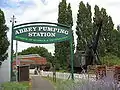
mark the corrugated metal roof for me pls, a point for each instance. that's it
(28, 56)
(27, 60)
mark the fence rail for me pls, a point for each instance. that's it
(61, 75)
(68, 75)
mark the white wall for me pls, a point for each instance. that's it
(5, 69)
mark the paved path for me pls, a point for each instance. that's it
(38, 83)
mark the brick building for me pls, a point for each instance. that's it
(32, 59)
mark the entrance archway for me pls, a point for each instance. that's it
(42, 33)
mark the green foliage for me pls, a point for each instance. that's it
(4, 43)
(15, 86)
(62, 49)
(115, 40)
(62, 13)
(57, 66)
(106, 41)
(86, 30)
(38, 50)
(69, 16)
(110, 60)
(118, 27)
(84, 26)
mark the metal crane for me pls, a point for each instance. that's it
(90, 55)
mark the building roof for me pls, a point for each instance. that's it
(27, 61)
(28, 56)
(31, 58)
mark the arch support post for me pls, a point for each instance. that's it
(71, 57)
(11, 55)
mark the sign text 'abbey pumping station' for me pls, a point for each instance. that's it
(42, 33)
(37, 33)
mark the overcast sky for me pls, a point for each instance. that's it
(47, 11)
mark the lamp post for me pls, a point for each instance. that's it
(12, 21)
(16, 61)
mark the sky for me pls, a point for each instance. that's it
(47, 11)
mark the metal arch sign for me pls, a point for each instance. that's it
(41, 32)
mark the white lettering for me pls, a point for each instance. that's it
(34, 34)
(44, 28)
(37, 31)
(34, 28)
(41, 34)
(58, 30)
(16, 32)
(25, 29)
(49, 29)
(30, 34)
(55, 29)
(38, 34)
(52, 34)
(62, 31)
(66, 32)
(21, 30)
(30, 29)
(40, 28)
(48, 34)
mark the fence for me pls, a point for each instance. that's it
(68, 75)
(61, 75)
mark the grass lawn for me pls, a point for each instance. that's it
(16, 86)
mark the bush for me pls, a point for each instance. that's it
(110, 60)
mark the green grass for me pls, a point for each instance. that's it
(15, 86)
(62, 71)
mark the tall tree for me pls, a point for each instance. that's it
(62, 13)
(107, 28)
(69, 16)
(62, 18)
(109, 39)
(67, 43)
(115, 43)
(4, 43)
(62, 49)
(118, 27)
(96, 18)
(84, 26)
